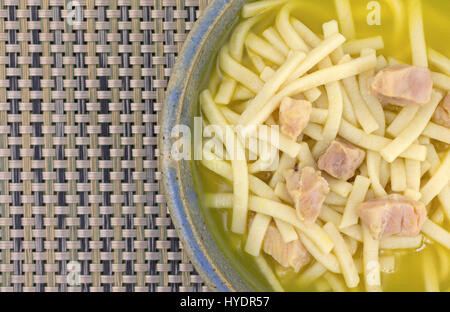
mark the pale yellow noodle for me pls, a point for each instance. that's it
(345, 16)
(439, 60)
(441, 81)
(272, 35)
(289, 215)
(398, 175)
(284, 26)
(356, 46)
(358, 194)
(256, 233)
(255, 8)
(226, 91)
(239, 34)
(264, 49)
(343, 255)
(438, 181)
(416, 33)
(239, 165)
(377, 143)
(313, 80)
(371, 264)
(239, 72)
(271, 87)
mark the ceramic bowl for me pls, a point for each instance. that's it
(179, 109)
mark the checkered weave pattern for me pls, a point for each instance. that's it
(81, 86)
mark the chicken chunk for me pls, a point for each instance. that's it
(442, 114)
(393, 214)
(341, 160)
(294, 116)
(308, 190)
(403, 85)
(292, 254)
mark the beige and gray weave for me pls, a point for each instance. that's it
(81, 86)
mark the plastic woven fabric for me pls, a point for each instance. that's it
(81, 86)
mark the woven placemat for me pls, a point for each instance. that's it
(81, 86)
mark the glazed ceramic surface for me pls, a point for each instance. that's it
(179, 109)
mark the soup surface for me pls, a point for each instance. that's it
(422, 266)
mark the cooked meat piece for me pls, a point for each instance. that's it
(308, 190)
(403, 85)
(341, 160)
(294, 116)
(442, 114)
(292, 254)
(393, 214)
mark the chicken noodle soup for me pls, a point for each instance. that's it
(351, 192)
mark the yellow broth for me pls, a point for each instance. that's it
(408, 275)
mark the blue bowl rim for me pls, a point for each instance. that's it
(172, 187)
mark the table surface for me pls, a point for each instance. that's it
(81, 85)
